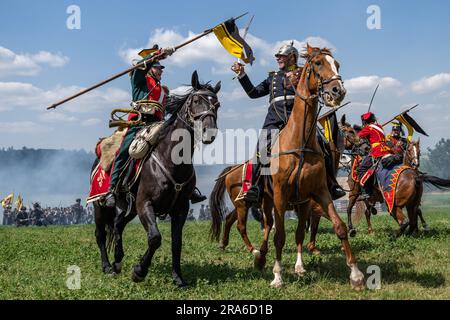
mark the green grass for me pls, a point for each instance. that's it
(34, 261)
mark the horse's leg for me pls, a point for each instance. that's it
(229, 221)
(303, 213)
(412, 215)
(260, 260)
(315, 212)
(177, 223)
(280, 236)
(351, 203)
(148, 219)
(398, 216)
(368, 213)
(119, 225)
(422, 220)
(242, 212)
(100, 236)
(356, 276)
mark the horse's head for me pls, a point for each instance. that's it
(200, 109)
(322, 75)
(350, 133)
(412, 154)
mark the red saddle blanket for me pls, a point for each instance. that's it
(247, 172)
(100, 180)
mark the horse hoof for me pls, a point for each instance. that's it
(117, 267)
(352, 233)
(260, 262)
(426, 228)
(370, 232)
(313, 249)
(135, 276)
(300, 271)
(357, 285)
(374, 211)
(276, 284)
(107, 269)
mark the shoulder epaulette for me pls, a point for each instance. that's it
(271, 73)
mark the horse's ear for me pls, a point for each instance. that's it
(217, 87)
(309, 49)
(343, 120)
(195, 83)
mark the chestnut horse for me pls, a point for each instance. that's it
(297, 171)
(409, 186)
(313, 221)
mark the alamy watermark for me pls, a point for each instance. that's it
(73, 281)
(374, 19)
(374, 280)
(73, 21)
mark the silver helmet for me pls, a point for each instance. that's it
(288, 49)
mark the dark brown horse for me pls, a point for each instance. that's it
(409, 186)
(298, 170)
(166, 182)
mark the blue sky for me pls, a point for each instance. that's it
(408, 56)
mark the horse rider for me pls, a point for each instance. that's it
(374, 133)
(22, 218)
(396, 140)
(280, 86)
(78, 211)
(150, 98)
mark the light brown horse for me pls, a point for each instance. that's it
(297, 171)
(409, 187)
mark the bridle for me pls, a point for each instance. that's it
(190, 118)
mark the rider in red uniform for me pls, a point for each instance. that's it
(374, 133)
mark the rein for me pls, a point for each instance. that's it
(189, 123)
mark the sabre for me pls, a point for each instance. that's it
(373, 96)
(244, 36)
(140, 65)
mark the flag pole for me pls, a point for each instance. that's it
(142, 64)
(400, 114)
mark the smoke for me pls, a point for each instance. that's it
(50, 177)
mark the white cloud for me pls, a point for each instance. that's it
(15, 95)
(13, 64)
(90, 122)
(369, 83)
(22, 127)
(209, 49)
(426, 85)
(56, 117)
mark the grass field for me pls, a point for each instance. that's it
(34, 261)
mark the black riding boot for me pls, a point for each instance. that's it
(197, 196)
(335, 189)
(253, 194)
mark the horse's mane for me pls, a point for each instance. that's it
(315, 51)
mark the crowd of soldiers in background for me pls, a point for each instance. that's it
(38, 216)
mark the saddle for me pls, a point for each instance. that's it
(107, 148)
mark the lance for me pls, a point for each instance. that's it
(139, 65)
(244, 36)
(400, 115)
(332, 111)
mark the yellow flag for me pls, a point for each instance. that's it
(228, 35)
(6, 201)
(19, 202)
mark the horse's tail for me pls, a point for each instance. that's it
(439, 183)
(217, 205)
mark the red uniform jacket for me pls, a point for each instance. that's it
(157, 93)
(375, 134)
